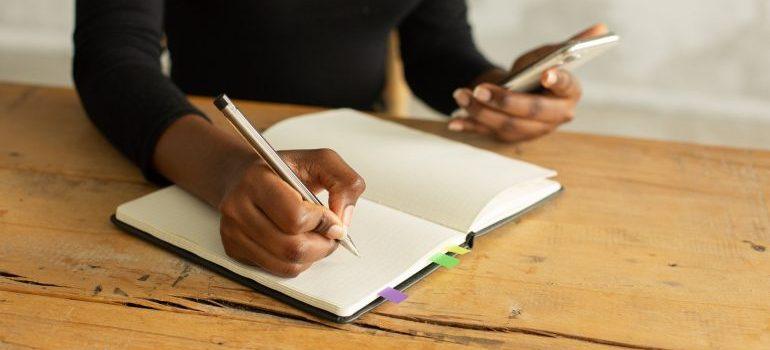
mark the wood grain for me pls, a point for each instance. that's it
(654, 245)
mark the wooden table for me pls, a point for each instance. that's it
(653, 245)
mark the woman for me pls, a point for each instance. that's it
(327, 53)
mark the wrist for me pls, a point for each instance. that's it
(201, 158)
(232, 162)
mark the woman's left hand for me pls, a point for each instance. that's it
(512, 116)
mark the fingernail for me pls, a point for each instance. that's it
(482, 94)
(550, 78)
(461, 98)
(455, 126)
(460, 113)
(336, 232)
(347, 215)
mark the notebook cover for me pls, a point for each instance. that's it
(189, 256)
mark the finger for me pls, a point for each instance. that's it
(469, 125)
(506, 127)
(462, 97)
(300, 248)
(458, 114)
(457, 124)
(561, 83)
(513, 104)
(247, 251)
(330, 225)
(495, 120)
(285, 207)
(303, 248)
(522, 130)
(597, 29)
(485, 115)
(326, 168)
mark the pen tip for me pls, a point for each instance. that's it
(347, 242)
(354, 250)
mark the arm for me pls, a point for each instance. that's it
(439, 53)
(264, 221)
(117, 73)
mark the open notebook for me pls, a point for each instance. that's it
(424, 194)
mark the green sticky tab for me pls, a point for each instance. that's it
(445, 260)
(458, 250)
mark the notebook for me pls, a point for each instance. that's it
(424, 195)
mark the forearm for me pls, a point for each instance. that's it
(199, 157)
(117, 73)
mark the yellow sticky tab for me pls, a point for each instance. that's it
(458, 250)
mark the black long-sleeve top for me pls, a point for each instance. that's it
(327, 53)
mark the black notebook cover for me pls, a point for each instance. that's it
(297, 303)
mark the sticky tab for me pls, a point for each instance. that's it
(392, 295)
(445, 260)
(458, 250)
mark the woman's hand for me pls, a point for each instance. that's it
(511, 116)
(265, 222)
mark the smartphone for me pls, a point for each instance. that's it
(571, 55)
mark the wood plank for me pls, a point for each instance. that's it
(653, 244)
(47, 131)
(78, 325)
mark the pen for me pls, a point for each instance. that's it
(268, 154)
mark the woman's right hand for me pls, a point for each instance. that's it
(265, 222)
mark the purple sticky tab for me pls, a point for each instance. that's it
(392, 295)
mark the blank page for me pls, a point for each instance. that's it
(393, 247)
(514, 200)
(425, 175)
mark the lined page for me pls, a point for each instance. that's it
(393, 246)
(428, 176)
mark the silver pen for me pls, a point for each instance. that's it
(268, 154)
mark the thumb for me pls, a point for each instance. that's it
(330, 225)
(343, 197)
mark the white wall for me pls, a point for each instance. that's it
(694, 55)
(35, 41)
